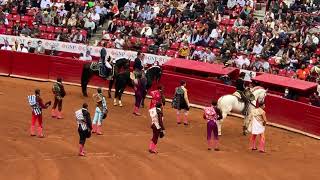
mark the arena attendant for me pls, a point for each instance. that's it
(59, 93)
(100, 111)
(156, 114)
(84, 126)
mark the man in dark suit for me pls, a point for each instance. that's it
(170, 12)
(138, 64)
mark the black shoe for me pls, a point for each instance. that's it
(178, 122)
(216, 149)
(186, 124)
(209, 149)
(254, 149)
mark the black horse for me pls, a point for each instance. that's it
(120, 77)
(153, 73)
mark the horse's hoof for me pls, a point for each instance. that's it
(120, 105)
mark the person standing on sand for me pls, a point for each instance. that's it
(157, 97)
(84, 126)
(212, 114)
(181, 102)
(157, 127)
(59, 93)
(138, 93)
(100, 113)
(257, 124)
(37, 105)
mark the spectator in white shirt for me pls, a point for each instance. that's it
(119, 42)
(241, 60)
(197, 54)
(62, 12)
(130, 5)
(22, 49)
(86, 57)
(315, 39)
(6, 46)
(214, 34)
(231, 4)
(209, 56)
(241, 3)
(44, 4)
(95, 17)
(151, 15)
(257, 48)
(146, 31)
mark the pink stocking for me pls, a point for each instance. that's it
(253, 141)
(262, 143)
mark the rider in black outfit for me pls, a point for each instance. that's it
(241, 88)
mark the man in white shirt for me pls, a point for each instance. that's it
(130, 5)
(231, 4)
(6, 47)
(214, 34)
(315, 39)
(119, 42)
(209, 56)
(146, 31)
(95, 17)
(257, 48)
(151, 15)
(197, 55)
(45, 3)
(86, 57)
(22, 49)
(241, 3)
(241, 60)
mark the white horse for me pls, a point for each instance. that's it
(230, 103)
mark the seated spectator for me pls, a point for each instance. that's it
(231, 4)
(76, 37)
(16, 28)
(242, 59)
(257, 48)
(26, 32)
(209, 56)
(6, 46)
(22, 48)
(184, 51)
(89, 25)
(146, 31)
(303, 72)
(171, 11)
(289, 94)
(194, 37)
(44, 4)
(72, 22)
(46, 19)
(314, 100)
(151, 15)
(119, 42)
(198, 55)
(39, 49)
(86, 57)
(167, 28)
(238, 22)
(29, 47)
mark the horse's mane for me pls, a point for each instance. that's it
(257, 88)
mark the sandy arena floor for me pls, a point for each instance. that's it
(121, 153)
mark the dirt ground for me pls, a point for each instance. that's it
(121, 153)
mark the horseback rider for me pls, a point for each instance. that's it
(105, 67)
(244, 92)
(138, 65)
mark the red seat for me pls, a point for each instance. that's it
(161, 52)
(171, 53)
(128, 23)
(73, 30)
(57, 29)
(2, 30)
(65, 30)
(42, 28)
(50, 37)
(9, 17)
(229, 29)
(150, 42)
(199, 48)
(83, 33)
(272, 61)
(133, 40)
(25, 19)
(159, 19)
(44, 35)
(110, 44)
(136, 25)
(290, 73)
(282, 72)
(30, 12)
(10, 24)
(224, 21)
(191, 46)
(175, 45)
(231, 22)
(16, 17)
(14, 10)
(50, 29)
(165, 20)
(144, 49)
(9, 31)
(143, 40)
(318, 51)
(119, 22)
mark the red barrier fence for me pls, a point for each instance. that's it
(281, 111)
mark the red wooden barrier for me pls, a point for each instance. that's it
(30, 65)
(282, 111)
(5, 62)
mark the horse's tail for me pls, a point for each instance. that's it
(85, 76)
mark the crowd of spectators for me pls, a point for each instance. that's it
(285, 41)
(63, 20)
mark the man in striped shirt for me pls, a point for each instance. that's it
(37, 105)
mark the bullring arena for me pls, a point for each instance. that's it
(121, 153)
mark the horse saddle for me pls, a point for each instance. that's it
(246, 96)
(103, 70)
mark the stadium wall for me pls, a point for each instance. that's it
(285, 113)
